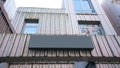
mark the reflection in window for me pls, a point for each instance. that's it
(90, 29)
(82, 6)
(31, 27)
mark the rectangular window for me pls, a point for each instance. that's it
(31, 26)
(83, 6)
(91, 28)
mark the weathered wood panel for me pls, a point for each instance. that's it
(98, 16)
(88, 17)
(57, 65)
(103, 18)
(42, 65)
(113, 14)
(66, 21)
(49, 23)
(16, 45)
(5, 24)
(40, 10)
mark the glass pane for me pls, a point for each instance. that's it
(77, 6)
(86, 6)
(30, 28)
(85, 31)
(83, 26)
(82, 6)
(89, 29)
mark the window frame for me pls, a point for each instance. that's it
(102, 32)
(30, 21)
(84, 11)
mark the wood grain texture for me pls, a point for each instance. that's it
(61, 21)
(17, 46)
(112, 11)
(57, 65)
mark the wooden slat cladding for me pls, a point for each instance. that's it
(16, 45)
(40, 10)
(4, 27)
(57, 65)
(88, 17)
(113, 13)
(103, 17)
(107, 65)
(99, 15)
(59, 21)
(49, 23)
(5, 24)
(41, 66)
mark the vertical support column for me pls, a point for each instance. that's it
(69, 8)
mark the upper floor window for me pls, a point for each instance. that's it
(91, 28)
(31, 26)
(83, 6)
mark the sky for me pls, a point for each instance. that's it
(39, 3)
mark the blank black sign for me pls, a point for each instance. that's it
(60, 41)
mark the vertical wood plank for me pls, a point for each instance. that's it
(96, 47)
(52, 24)
(25, 52)
(57, 25)
(14, 49)
(1, 39)
(9, 45)
(43, 24)
(102, 46)
(68, 25)
(115, 44)
(111, 46)
(21, 46)
(4, 44)
(47, 31)
(107, 46)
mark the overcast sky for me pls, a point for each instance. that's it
(39, 3)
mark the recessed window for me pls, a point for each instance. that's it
(83, 6)
(31, 26)
(91, 28)
(84, 65)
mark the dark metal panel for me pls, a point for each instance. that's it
(91, 65)
(60, 41)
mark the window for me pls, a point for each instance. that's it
(84, 65)
(31, 26)
(83, 6)
(90, 28)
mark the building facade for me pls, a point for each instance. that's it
(79, 35)
(5, 23)
(111, 9)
